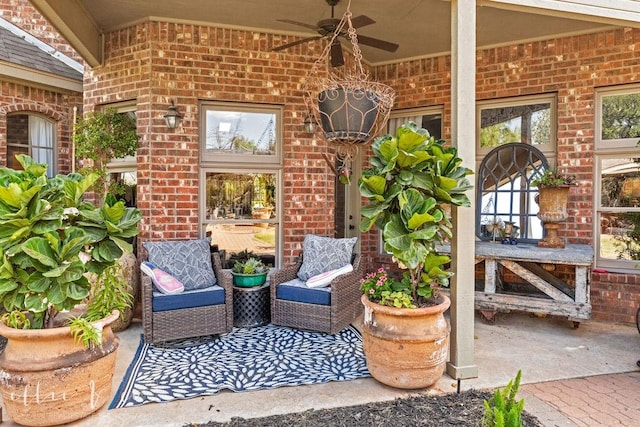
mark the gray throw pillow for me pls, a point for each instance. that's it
(321, 254)
(189, 261)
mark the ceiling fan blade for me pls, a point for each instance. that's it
(377, 43)
(295, 43)
(301, 24)
(361, 21)
(337, 59)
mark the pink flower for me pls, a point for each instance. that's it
(371, 291)
(381, 270)
(383, 278)
(361, 281)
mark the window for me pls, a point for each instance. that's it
(123, 177)
(617, 192)
(526, 128)
(530, 120)
(33, 135)
(240, 133)
(241, 175)
(429, 119)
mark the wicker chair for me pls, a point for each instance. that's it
(191, 321)
(345, 305)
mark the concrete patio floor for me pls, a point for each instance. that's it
(546, 349)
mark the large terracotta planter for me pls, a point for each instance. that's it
(406, 347)
(553, 209)
(47, 379)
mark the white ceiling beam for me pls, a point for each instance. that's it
(76, 25)
(611, 12)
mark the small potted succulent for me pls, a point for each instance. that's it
(249, 273)
(553, 195)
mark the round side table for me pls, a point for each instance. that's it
(251, 306)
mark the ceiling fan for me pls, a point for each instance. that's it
(327, 27)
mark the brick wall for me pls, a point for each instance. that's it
(572, 68)
(156, 62)
(22, 14)
(18, 98)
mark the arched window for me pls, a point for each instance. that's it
(504, 194)
(33, 135)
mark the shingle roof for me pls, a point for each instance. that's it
(16, 50)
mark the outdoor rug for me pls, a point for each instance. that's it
(259, 358)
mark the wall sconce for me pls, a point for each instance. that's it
(309, 124)
(172, 118)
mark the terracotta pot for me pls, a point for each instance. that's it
(406, 347)
(47, 379)
(553, 209)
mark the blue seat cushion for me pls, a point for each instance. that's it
(212, 295)
(297, 290)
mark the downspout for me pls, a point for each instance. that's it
(73, 134)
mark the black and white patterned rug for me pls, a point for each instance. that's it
(259, 358)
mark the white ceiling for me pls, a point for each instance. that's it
(420, 27)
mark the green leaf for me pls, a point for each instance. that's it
(39, 249)
(56, 272)
(373, 185)
(77, 291)
(55, 294)
(11, 195)
(7, 285)
(34, 302)
(388, 149)
(38, 283)
(366, 224)
(396, 235)
(113, 214)
(74, 273)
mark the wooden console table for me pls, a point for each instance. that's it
(555, 297)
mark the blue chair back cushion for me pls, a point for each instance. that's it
(296, 290)
(212, 295)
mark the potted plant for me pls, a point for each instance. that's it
(56, 368)
(411, 184)
(249, 273)
(553, 193)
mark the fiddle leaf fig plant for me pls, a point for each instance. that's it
(412, 179)
(50, 237)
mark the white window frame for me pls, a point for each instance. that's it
(239, 158)
(243, 164)
(609, 149)
(549, 150)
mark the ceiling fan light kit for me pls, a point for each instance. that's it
(348, 107)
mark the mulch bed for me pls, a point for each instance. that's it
(464, 409)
